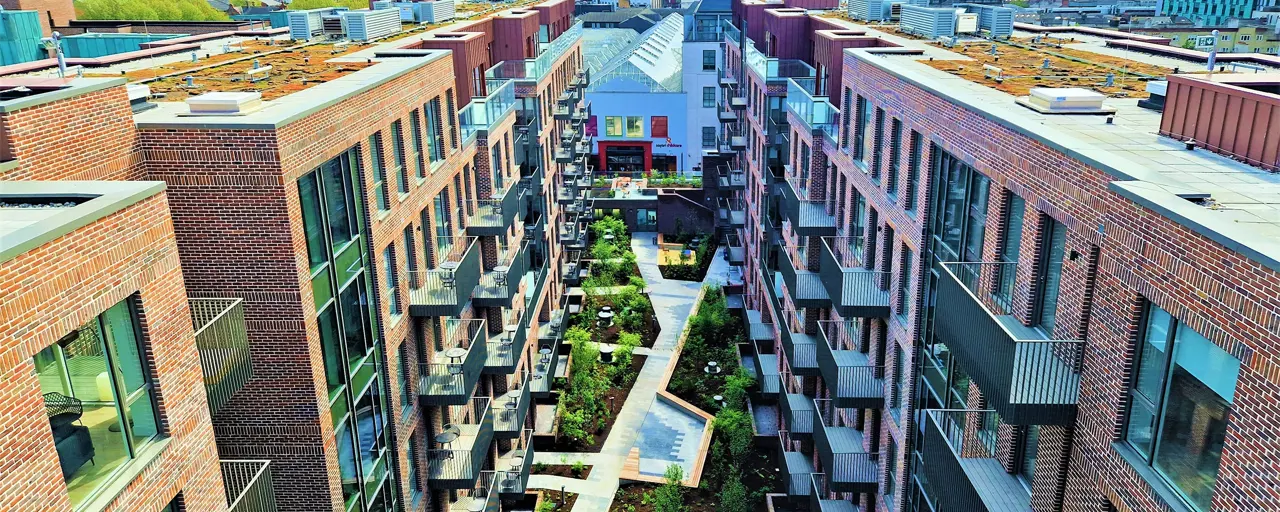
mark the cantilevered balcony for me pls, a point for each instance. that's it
(800, 347)
(575, 170)
(804, 286)
(767, 371)
(574, 269)
(463, 353)
(572, 190)
(580, 80)
(852, 378)
(534, 225)
(808, 217)
(821, 498)
(732, 212)
(727, 80)
(797, 412)
(445, 289)
(548, 356)
(483, 496)
(846, 460)
(582, 209)
(582, 148)
(854, 289)
(570, 136)
(505, 346)
(494, 216)
(796, 465)
(734, 252)
(1026, 376)
(563, 155)
(725, 115)
(573, 234)
(581, 114)
(813, 108)
(514, 465)
(499, 286)
(729, 178)
(456, 464)
(511, 410)
(958, 456)
(737, 102)
(247, 484)
(223, 347)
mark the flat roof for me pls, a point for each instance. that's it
(64, 207)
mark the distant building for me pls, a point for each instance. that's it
(60, 12)
(638, 19)
(1208, 12)
(1248, 38)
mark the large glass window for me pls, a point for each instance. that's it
(1179, 402)
(613, 126)
(708, 97)
(635, 126)
(1010, 246)
(379, 171)
(99, 398)
(877, 143)
(402, 377)
(708, 60)
(1030, 445)
(415, 486)
(415, 132)
(891, 472)
(397, 149)
(898, 399)
(389, 277)
(1051, 276)
(858, 227)
(960, 216)
(913, 172)
(444, 228)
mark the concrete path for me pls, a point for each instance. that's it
(672, 303)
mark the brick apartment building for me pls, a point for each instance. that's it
(382, 247)
(961, 304)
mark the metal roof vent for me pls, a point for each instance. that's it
(138, 96)
(1070, 100)
(224, 103)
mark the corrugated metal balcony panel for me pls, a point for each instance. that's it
(808, 217)
(737, 255)
(247, 484)
(1026, 377)
(727, 116)
(512, 409)
(796, 465)
(849, 466)
(821, 500)
(976, 481)
(223, 345)
(499, 286)
(505, 347)
(767, 373)
(738, 102)
(797, 411)
(855, 291)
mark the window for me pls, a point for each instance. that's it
(453, 115)
(379, 172)
(1050, 276)
(708, 136)
(435, 129)
(708, 97)
(905, 278)
(415, 486)
(444, 228)
(402, 377)
(876, 144)
(960, 216)
(708, 60)
(858, 227)
(1010, 246)
(898, 400)
(658, 127)
(458, 198)
(397, 148)
(100, 398)
(913, 172)
(415, 130)
(895, 153)
(389, 266)
(498, 170)
(891, 472)
(844, 134)
(635, 126)
(1180, 398)
(613, 126)
(1030, 445)
(860, 139)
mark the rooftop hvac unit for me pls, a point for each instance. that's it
(866, 10)
(304, 25)
(332, 26)
(368, 25)
(436, 12)
(992, 18)
(895, 11)
(966, 23)
(930, 22)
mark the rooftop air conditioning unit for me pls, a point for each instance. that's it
(366, 25)
(966, 23)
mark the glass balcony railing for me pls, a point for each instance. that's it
(731, 32)
(814, 109)
(248, 485)
(464, 352)
(537, 68)
(482, 114)
(223, 347)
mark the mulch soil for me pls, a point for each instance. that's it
(760, 474)
(615, 396)
(564, 470)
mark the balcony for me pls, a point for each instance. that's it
(498, 287)
(481, 497)
(247, 484)
(730, 179)
(570, 192)
(512, 409)
(959, 456)
(548, 358)
(456, 464)
(726, 114)
(849, 466)
(493, 217)
(451, 383)
(734, 252)
(446, 289)
(514, 466)
(577, 169)
(563, 155)
(583, 209)
(561, 112)
(223, 347)
(732, 212)
(573, 235)
(804, 286)
(851, 377)
(737, 102)
(582, 148)
(1025, 376)
(727, 80)
(483, 114)
(813, 109)
(796, 465)
(767, 371)
(534, 224)
(574, 269)
(531, 71)
(797, 412)
(801, 348)
(854, 289)
(808, 217)
(506, 346)
(820, 499)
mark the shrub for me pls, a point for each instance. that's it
(733, 495)
(670, 497)
(578, 468)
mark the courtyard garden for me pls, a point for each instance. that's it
(685, 256)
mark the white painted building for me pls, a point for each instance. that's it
(703, 58)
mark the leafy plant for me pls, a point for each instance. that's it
(577, 468)
(670, 497)
(547, 505)
(540, 467)
(733, 495)
(168, 10)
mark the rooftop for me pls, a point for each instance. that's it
(33, 213)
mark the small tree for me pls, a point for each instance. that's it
(670, 497)
(733, 495)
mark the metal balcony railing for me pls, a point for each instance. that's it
(506, 345)
(798, 345)
(805, 286)
(514, 465)
(822, 497)
(732, 212)
(445, 289)
(499, 286)
(854, 289)
(574, 269)
(1026, 376)
(493, 216)
(729, 178)
(481, 497)
(958, 455)
(797, 465)
(548, 357)
(809, 217)
(456, 464)
(512, 408)
(850, 467)
(853, 379)
(797, 412)
(726, 114)
(223, 345)
(735, 253)
(464, 350)
(248, 485)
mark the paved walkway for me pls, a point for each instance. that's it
(672, 304)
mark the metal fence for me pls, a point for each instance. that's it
(223, 346)
(248, 485)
